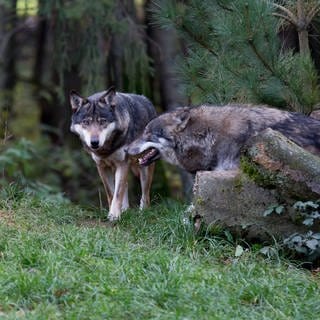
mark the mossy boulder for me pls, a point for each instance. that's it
(273, 161)
(256, 201)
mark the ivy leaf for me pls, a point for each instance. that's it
(315, 215)
(239, 251)
(228, 235)
(296, 239)
(299, 205)
(303, 250)
(311, 204)
(312, 244)
(316, 236)
(308, 222)
(279, 209)
(268, 211)
(266, 250)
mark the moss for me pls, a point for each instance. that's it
(238, 183)
(200, 201)
(255, 174)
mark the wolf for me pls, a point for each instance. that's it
(211, 137)
(107, 122)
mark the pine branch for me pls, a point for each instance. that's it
(313, 12)
(195, 39)
(258, 54)
(282, 17)
(290, 16)
(224, 7)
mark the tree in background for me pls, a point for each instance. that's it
(301, 15)
(246, 51)
(80, 45)
(90, 46)
(234, 52)
(7, 62)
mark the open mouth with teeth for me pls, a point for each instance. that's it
(148, 156)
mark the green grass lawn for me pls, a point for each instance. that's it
(60, 261)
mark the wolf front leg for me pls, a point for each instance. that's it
(120, 198)
(146, 176)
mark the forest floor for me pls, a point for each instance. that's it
(62, 261)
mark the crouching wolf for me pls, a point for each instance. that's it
(211, 137)
(107, 122)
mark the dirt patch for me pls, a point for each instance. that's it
(93, 223)
(6, 218)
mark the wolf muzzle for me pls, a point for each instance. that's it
(94, 143)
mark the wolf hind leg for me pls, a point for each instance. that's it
(146, 176)
(107, 176)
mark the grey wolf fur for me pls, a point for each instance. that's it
(107, 122)
(211, 137)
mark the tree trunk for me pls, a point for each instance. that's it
(302, 29)
(8, 22)
(55, 112)
(115, 63)
(164, 47)
(115, 57)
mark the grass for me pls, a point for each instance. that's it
(61, 261)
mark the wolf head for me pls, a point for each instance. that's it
(159, 139)
(93, 118)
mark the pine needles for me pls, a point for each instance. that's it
(234, 54)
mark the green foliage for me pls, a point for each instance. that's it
(46, 170)
(39, 167)
(82, 39)
(15, 160)
(308, 210)
(307, 244)
(59, 261)
(234, 54)
(278, 209)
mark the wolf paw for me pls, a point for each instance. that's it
(113, 217)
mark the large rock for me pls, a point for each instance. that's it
(230, 199)
(273, 161)
(274, 171)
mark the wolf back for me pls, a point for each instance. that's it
(211, 137)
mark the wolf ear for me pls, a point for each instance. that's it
(109, 96)
(182, 118)
(76, 101)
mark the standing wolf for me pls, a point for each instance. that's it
(211, 137)
(107, 122)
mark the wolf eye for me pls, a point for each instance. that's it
(102, 121)
(159, 133)
(85, 122)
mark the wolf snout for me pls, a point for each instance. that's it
(132, 151)
(94, 143)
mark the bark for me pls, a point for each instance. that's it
(115, 62)
(55, 112)
(8, 23)
(164, 47)
(40, 54)
(302, 26)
